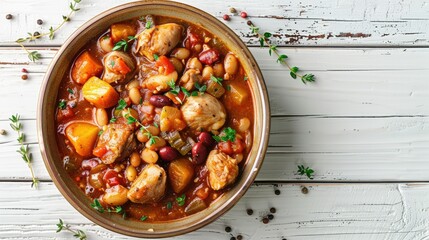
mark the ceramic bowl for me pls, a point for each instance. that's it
(47, 131)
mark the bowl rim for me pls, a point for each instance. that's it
(229, 203)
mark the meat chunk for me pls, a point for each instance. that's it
(223, 170)
(118, 67)
(203, 113)
(189, 78)
(149, 187)
(159, 40)
(119, 141)
(159, 83)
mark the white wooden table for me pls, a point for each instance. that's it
(363, 126)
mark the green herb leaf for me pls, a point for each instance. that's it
(228, 87)
(169, 205)
(62, 104)
(294, 69)
(181, 200)
(307, 78)
(97, 206)
(66, 19)
(121, 104)
(148, 24)
(186, 92)
(130, 38)
(245, 78)
(261, 42)
(73, 7)
(267, 34)
(156, 57)
(120, 45)
(305, 171)
(100, 132)
(281, 58)
(143, 218)
(34, 55)
(228, 134)
(51, 33)
(70, 91)
(112, 120)
(216, 80)
(293, 75)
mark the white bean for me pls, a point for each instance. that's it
(231, 64)
(101, 117)
(181, 53)
(135, 96)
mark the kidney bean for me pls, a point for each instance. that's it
(209, 56)
(160, 101)
(168, 153)
(207, 139)
(199, 153)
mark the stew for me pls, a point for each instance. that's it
(155, 119)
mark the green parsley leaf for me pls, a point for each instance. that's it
(181, 200)
(121, 104)
(228, 134)
(62, 104)
(118, 209)
(97, 206)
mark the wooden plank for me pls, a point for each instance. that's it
(350, 82)
(328, 211)
(305, 22)
(338, 149)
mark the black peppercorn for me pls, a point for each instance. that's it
(36, 34)
(39, 21)
(239, 237)
(9, 16)
(304, 190)
(270, 216)
(265, 220)
(249, 211)
(232, 10)
(249, 22)
(228, 229)
(232, 238)
(272, 210)
(277, 192)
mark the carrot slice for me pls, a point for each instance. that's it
(85, 66)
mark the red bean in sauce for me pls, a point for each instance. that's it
(199, 153)
(168, 153)
(160, 101)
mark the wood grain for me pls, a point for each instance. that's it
(328, 211)
(303, 23)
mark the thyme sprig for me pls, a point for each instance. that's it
(79, 234)
(281, 58)
(307, 171)
(123, 44)
(16, 125)
(35, 55)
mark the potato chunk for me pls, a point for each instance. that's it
(99, 93)
(180, 173)
(82, 135)
(84, 67)
(116, 195)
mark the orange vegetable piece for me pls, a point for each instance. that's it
(166, 64)
(119, 31)
(99, 93)
(85, 67)
(121, 67)
(82, 136)
(171, 119)
(180, 173)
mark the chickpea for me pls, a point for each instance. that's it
(106, 44)
(159, 143)
(177, 64)
(181, 53)
(218, 70)
(131, 173)
(198, 47)
(231, 64)
(194, 63)
(149, 156)
(207, 73)
(239, 157)
(135, 159)
(135, 96)
(153, 130)
(101, 117)
(142, 137)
